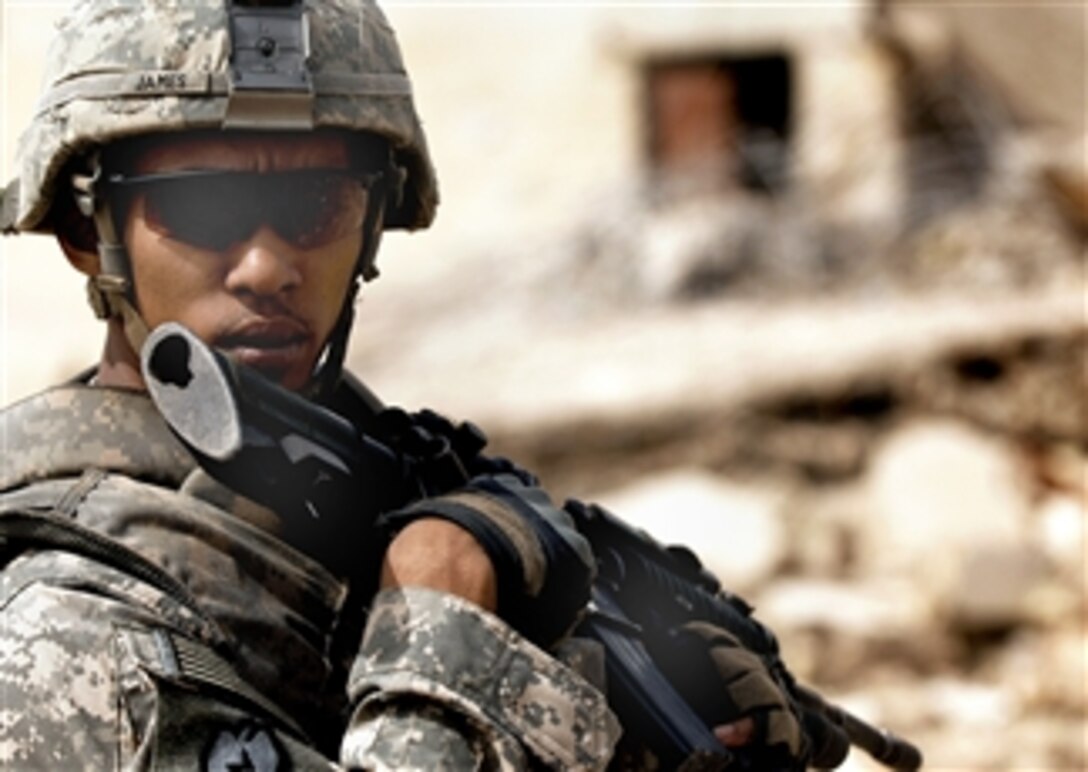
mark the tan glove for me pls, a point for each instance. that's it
(744, 688)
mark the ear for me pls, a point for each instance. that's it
(77, 236)
(84, 258)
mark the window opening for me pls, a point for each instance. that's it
(715, 123)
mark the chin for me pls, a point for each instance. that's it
(292, 381)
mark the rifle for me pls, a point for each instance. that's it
(330, 481)
(642, 592)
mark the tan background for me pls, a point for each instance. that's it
(926, 565)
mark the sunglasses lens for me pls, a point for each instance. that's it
(321, 210)
(308, 209)
(186, 211)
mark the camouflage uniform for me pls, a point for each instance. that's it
(142, 625)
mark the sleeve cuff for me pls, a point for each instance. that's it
(428, 648)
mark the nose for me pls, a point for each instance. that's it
(263, 266)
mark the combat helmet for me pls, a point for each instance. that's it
(129, 67)
(124, 68)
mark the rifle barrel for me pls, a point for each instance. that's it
(884, 746)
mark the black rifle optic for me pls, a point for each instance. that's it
(330, 481)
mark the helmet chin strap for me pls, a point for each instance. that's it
(110, 291)
(330, 367)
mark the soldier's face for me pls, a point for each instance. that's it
(255, 264)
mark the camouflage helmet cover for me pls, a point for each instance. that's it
(120, 68)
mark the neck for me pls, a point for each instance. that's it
(119, 366)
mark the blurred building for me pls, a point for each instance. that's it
(703, 144)
(1027, 60)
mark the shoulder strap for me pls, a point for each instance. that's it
(20, 529)
(63, 431)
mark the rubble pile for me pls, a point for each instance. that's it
(888, 458)
(940, 591)
(916, 539)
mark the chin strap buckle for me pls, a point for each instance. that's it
(108, 296)
(100, 290)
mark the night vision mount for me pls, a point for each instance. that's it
(270, 82)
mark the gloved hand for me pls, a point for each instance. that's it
(543, 566)
(743, 689)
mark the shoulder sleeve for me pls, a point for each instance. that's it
(90, 678)
(470, 692)
(58, 683)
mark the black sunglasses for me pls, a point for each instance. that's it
(215, 210)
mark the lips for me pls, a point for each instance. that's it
(273, 346)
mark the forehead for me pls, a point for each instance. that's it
(256, 151)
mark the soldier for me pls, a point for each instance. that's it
(231, 166)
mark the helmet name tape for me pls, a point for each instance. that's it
(152, 83)
(110, 85)
(167, 83)
(270, 84)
